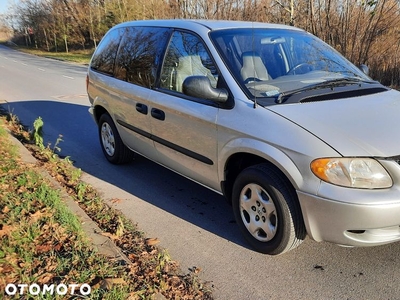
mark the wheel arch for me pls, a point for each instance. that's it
(99, 107)
(98, 111)
(238, 161)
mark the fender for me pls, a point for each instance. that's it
(263, 150)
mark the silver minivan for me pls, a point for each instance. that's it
(299, 140)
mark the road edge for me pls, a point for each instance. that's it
(104, 245)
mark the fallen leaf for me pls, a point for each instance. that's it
(6, 269)
(38, 215)
(6, 230)
(51, 265)
(133, 296)
(5, 210)
(59, 178)
(12, 259)
(57, 247)
(152, 241)
(166, 268)
(195, 270)
(21, 190)
(45, 278)
(108, 283)
(43, 248)
(110, 235)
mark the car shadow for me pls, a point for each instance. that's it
(141, 178)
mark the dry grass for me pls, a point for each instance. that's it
(41, 241)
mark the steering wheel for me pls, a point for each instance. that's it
(250, 79)
(293, 70)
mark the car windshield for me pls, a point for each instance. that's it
(268, 63)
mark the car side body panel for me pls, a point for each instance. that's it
(275, 139)
(132, 125)
(186, 140)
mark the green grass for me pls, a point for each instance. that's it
(42, 242)
(79, 56)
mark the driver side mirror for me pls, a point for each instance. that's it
(200, 87)
(364, 69)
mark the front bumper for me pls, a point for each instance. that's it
(359, 218)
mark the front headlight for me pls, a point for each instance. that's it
(364, 173)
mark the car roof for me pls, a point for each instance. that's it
(194, 24)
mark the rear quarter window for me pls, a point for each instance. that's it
(104, 57)
(140, 53)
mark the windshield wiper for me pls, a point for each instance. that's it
(325, 84)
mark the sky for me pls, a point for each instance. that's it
(4, 6)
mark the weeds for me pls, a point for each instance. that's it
(42, 242)
(37, 133)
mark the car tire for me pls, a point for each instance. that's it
(113, 148)
(267, 210)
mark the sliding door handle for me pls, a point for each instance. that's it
(141, 108)
(158, 114)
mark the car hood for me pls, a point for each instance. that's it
(358, 126)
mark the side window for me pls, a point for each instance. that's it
(104, 56)
(186, 56)
(139, 55)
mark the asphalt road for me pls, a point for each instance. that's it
(193, 223)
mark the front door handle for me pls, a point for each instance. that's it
(141, 108)
(158, 114)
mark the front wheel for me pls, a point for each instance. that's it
(113, 148)
(267, 210)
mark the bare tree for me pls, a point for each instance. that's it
(365, 31)
(289, 8)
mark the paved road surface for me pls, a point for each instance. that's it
(193, 223)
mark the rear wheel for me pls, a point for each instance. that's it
(113, 148)
(267, 210)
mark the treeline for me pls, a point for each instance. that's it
(366, 31)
